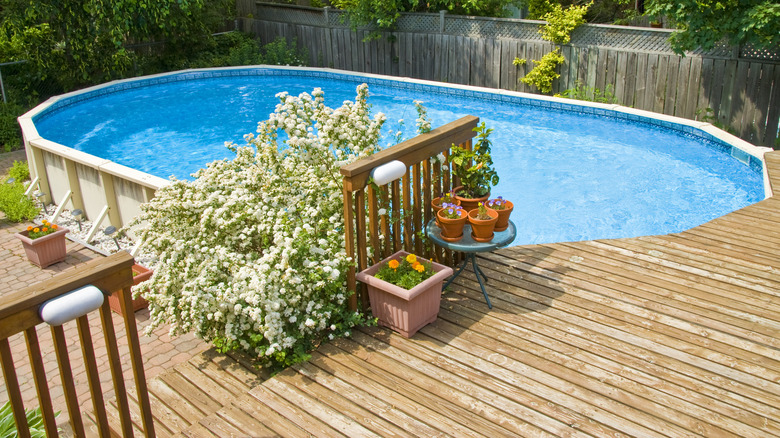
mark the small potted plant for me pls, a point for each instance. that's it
(44, 244)
(474, 169)
(444, 199)
(482, 221)
(451, 219)
(405, 291)
(140, 274)
(504, 209)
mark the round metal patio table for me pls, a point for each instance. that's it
(470, 247)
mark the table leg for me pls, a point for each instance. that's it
(477, 271)
(462, 266)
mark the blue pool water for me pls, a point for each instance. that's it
(572, 176)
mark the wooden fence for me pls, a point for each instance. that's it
(19, 314)
(742, 87)
(407, 202)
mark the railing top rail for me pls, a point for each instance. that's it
(411, 151)
(19, 309)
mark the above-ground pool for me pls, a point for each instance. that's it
(574, 172)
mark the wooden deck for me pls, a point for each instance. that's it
(661, 336)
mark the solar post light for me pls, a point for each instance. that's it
(40, 195)
(10, 180)
(77, 215)
(109, 231)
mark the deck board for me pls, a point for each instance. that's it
(674, 335)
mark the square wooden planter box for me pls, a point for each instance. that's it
(47, 250)
(405, 310)
(140, 273)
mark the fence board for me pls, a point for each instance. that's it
(748, 122)
(774, 113)
(763, 105)
(724, 113)
(477, 64)
(739, 96)
(670, 88)
(692, 96)
(683, 77)
(620, 77)
(642, 71)
(707, 70)
(657, 68)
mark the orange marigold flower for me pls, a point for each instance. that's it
(393, 264)
(45, 229)
(419, 268)
(53, 226)
(29, 228)
(411, 258)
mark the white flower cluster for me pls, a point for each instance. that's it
(251, 253)
(423, 122)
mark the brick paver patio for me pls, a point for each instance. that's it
(159, 350)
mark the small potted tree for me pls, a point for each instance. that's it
(474, 169)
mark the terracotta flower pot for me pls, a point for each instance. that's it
(503, 215)
(469, 204)
(404, 310)
(436, 204)
(452, 229)
(47, 250)
(482, 230)
(140, 274)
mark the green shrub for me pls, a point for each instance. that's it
(582, 92)
(10, 133)
(543, 73)
(561, 22)
(15, 204)
(34, 422)
(19, 171)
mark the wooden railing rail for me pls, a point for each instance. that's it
(407, 202)
(20, 313)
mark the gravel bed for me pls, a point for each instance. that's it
(101, 242)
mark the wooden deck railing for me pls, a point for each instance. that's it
(20, 313)
(407, 202)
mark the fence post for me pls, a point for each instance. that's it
(442, 15)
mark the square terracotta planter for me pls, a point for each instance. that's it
(47, 250)
(140, 273)
(405, 310)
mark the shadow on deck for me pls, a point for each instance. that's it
(675, 335)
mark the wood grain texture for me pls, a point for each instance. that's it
(675, 335)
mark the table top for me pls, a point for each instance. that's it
(467, 244)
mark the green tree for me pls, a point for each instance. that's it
(384, 13)
(704, 23)
(84, 41)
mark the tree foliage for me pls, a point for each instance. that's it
(705, 23)
(83, 41)
(384, 13)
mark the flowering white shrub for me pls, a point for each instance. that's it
(251, 253)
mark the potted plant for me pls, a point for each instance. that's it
(504, 209)
(405, 291)
(44, 244)
(451, 219)
(482, 221)
(444, 199)
(474, 169)
(140, 274)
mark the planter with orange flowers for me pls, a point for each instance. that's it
(405, 291)
(44, 244)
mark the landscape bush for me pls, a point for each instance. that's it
(251, 253)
